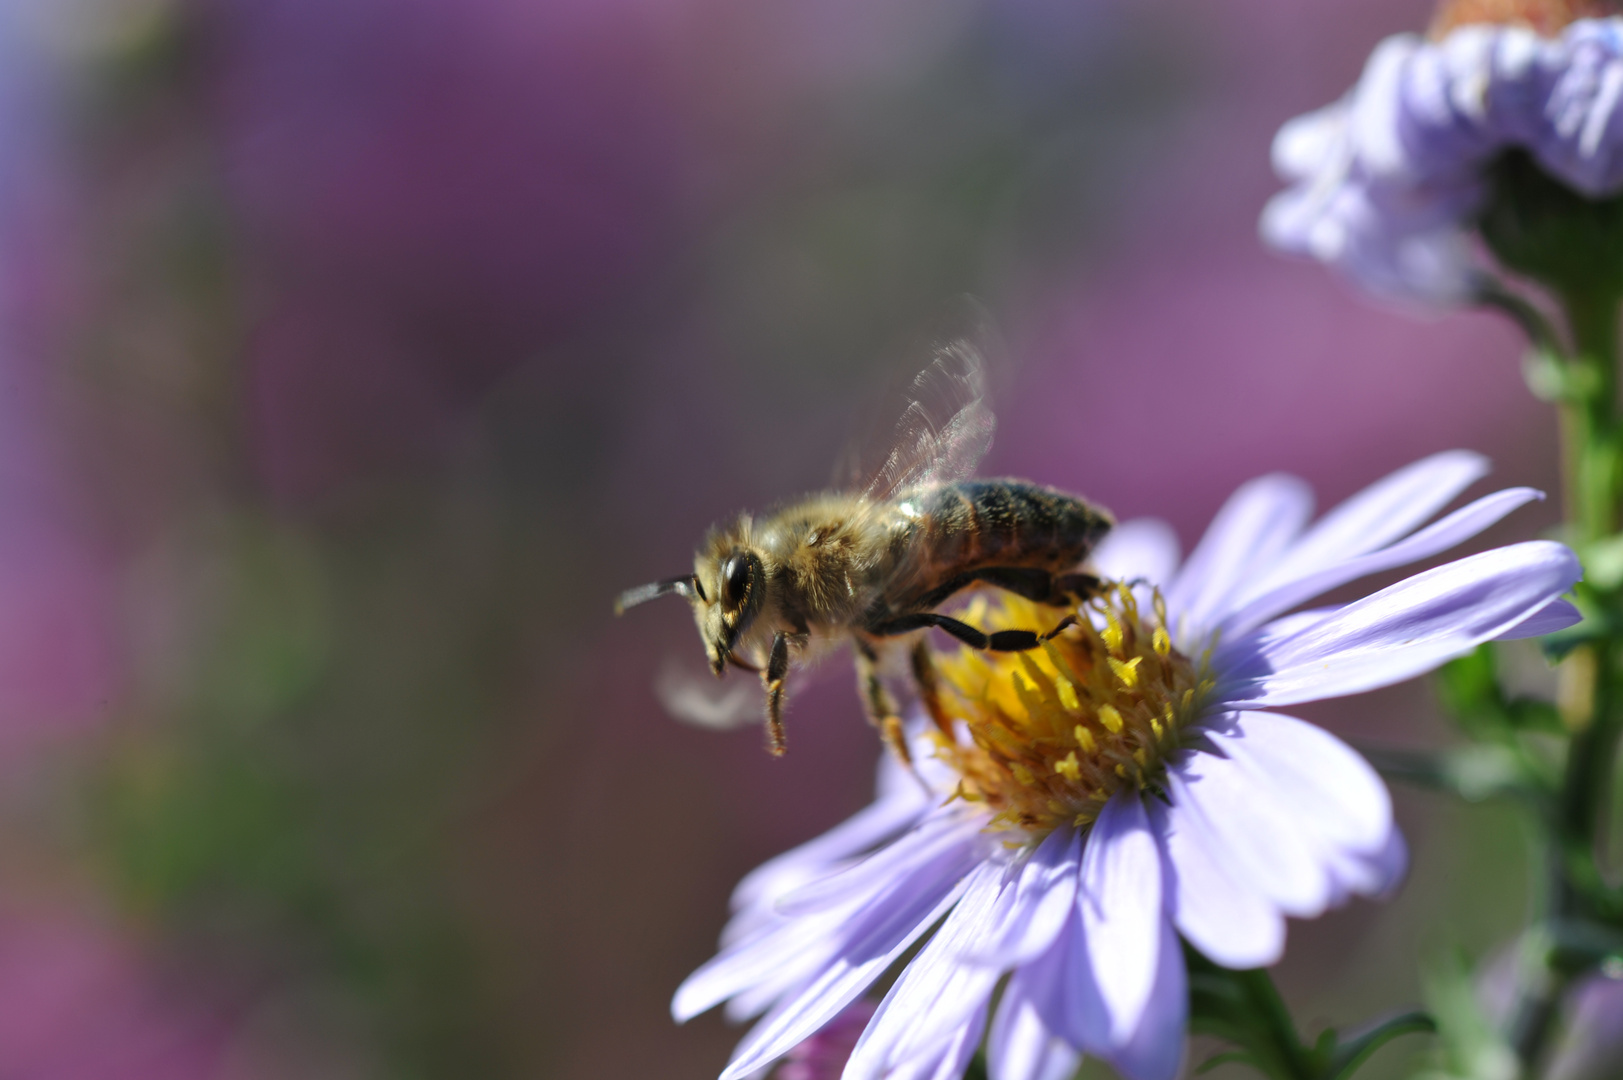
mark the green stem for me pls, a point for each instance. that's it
(1589, 422)
(1591, 457)
(1243, 1009)
(1294, 1058)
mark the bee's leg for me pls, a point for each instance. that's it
(1083, 587)
(876, 701)
(777, 666)
(929, 683)
(1001, 641)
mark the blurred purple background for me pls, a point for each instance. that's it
(356, 352)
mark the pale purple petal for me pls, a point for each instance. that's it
(1556, 615)
(779, 952)
(1059, 984)
(1401, 631)
(776, 985)
(1155, 1050)
(1217, 909)
(1392, 864)
(1034, 907)
(1304, 142)
(1121, 906)
(1333, 793)
(1144, 548)
(1456, 528)
(1021, 1047)
(878, 940)
(863, 831)
(948, 1057)
(937, 994)
(796, 950)
(1356, 873)
(1257, 522)
(1250, 834)
(1385, 511)
(938, 835)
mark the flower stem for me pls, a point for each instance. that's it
(1244, 1009)
(1591, 456)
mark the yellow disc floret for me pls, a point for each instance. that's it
(1054, 732)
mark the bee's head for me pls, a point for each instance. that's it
(729, 588)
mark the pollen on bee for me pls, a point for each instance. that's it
(1055, 732)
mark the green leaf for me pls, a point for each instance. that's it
(1468, 688)
(1353, 1050)
(1228, 1057)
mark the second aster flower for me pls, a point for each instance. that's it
(1388, 183)
(1090, 802)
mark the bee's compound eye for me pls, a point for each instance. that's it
(735, 580)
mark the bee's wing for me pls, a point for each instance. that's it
(947, 426)
(694, 696)
(697, 698)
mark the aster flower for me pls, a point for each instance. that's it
(1387, 183)
(1090, 802)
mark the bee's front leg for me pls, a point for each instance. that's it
(777, 667)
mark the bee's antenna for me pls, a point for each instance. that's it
(686, 585)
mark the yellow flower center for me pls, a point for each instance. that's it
(1056, 731)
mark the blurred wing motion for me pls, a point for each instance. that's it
(944, 430)
(947, 427)
(700, 700)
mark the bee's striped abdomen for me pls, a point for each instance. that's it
(1007, 523)
(1011, 533)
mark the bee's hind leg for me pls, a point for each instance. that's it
(777, 667)
(876, 701)
(929, 684)
(1000, 641)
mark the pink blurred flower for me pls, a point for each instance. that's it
(823, 1056)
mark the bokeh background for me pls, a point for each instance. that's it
(354, 353)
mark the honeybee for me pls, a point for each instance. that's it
(871, 565)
